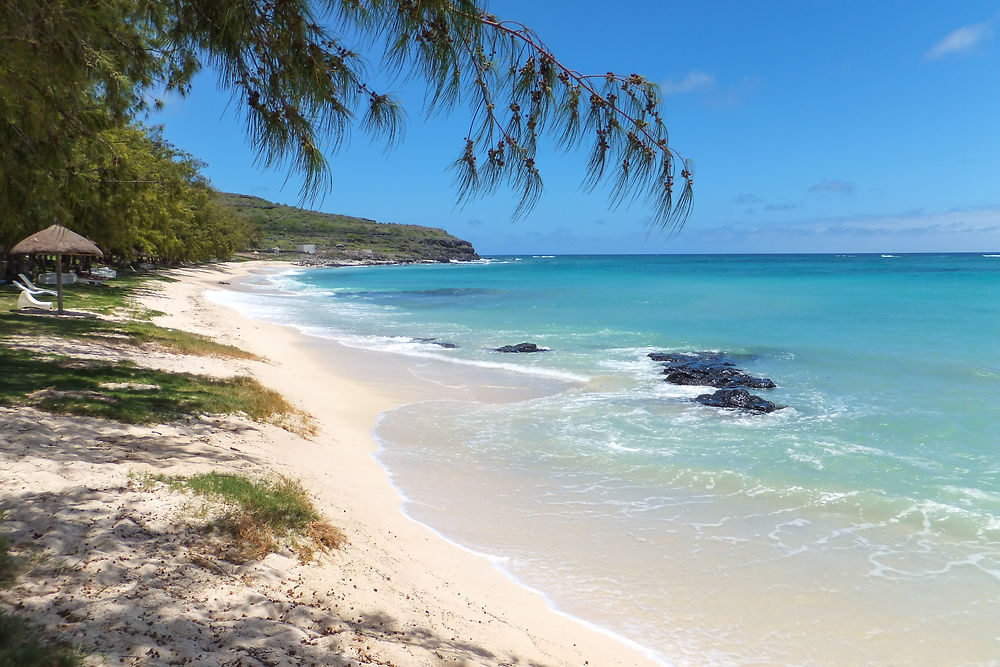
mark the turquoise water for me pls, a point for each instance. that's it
(860, 523)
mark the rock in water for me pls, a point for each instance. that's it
(707, 369)
(737, 398)
(716, 376)
(521, 347)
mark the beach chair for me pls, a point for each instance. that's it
(33, 291)
(28, 300)
(31, 286)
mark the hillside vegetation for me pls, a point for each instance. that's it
(342, 238)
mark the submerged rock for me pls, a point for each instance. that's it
(707, 369)
(737, 398)
(521, 347)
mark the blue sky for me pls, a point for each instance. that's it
(820, 126)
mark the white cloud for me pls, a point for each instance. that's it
(984, 220)
(747, 198)
(786, 206)
(734, 96)
(833, 185)
(695, 82)
(962, 40)
(966, 230)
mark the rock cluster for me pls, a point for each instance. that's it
(713, 369)
(707, 369)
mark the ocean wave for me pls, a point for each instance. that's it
(407, 346)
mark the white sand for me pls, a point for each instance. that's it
(120, 566)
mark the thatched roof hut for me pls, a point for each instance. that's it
(57, 240)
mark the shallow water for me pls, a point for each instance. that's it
(860, 523)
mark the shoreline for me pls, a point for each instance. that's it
(540, 632)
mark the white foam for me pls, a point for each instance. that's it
(614, 446)
(978, 495)
(405, 345)
(801, 457)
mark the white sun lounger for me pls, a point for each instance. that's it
(31, 286)
(33, 291)
(28, 300)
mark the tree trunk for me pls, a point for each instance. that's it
(59, 281)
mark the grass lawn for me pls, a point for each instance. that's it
(124, 391)
(129, 393)
(135, 330)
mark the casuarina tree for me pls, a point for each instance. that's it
(71, 70)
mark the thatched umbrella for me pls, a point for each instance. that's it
(57, 240)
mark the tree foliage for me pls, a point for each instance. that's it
(165, 208)
(76, 74)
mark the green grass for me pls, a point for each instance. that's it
(22, 644)
(73, 386)
(114, 296)
(281, 505)
(8, 564)
(262, 513)
(131, 332)
(80, 387)
(106, 300)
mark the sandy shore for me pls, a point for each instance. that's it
(121, 572)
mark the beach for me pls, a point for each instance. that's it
(124, 580)
(481, 490)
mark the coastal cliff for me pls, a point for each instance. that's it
(288, 232)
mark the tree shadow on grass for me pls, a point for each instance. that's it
(123, 391)
(17, 323)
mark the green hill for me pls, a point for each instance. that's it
(342, 238)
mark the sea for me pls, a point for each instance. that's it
(858, 524)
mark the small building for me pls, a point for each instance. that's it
(307, 248)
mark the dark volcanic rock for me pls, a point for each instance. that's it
(737, 398)
(448, 249)
(521, 347)
(708, 369)
(723, 377)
